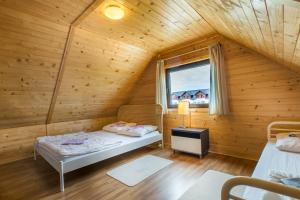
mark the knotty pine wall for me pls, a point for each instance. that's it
(99, 74)
(260, 91)
(30, 52)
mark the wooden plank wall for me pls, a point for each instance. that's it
(87, 125)
(30, 53)
(260, 91)
(99, 74)
(17, 143)
(144, 91)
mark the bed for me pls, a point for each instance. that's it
(274, 159)
(141, 114)
(271, 159)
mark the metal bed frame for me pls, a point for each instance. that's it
(142, 114)
(263, 184)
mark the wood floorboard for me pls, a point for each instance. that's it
(28, 179)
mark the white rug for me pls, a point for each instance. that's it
(136, 171)
(209, 186)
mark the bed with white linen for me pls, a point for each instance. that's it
(113, 144)
(271, 159)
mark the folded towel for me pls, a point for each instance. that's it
(295, 182)
(276, 175)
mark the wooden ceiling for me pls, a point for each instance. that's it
(107, 57)
(270, 27)
(58, 11)
(152, 25)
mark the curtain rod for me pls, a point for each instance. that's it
(168, 58)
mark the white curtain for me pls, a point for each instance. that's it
(218, 101)
(161, 93)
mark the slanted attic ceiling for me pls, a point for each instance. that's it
(151, 25)
(270, 27)
(107, 57)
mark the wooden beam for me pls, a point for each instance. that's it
(60, 73)
(67, 47)
(186, 53)
(86, 12)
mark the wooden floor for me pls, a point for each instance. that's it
(28, 179)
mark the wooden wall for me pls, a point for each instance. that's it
(144, 91)
(99, 74)
(260, 91)
(17, 143)
(30, 52)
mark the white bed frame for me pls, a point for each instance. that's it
(142, 114)
(273, 129)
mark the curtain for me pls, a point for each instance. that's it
(161, 93)
(218, 102)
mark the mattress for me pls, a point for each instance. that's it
(122, 139)
(76, 144)
(272, 158)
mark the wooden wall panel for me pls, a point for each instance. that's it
(260, 91)
(87, 125)
(144, 90)
(30, 53)
(17, 143)
(99, 75)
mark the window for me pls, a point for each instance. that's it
(191, 82)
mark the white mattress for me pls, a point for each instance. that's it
(125, 141)
(272, 158)
(76, 144)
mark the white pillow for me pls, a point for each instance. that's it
(138, 130)
(118, 126)
(288, 142)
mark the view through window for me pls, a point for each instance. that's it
(190, 82)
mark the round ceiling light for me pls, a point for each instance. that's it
(114, 12)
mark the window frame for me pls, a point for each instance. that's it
(179, 68)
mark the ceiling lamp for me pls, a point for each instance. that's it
(114, 12)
